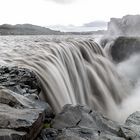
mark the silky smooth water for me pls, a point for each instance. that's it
(72, 70)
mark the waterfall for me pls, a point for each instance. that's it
(71, 71)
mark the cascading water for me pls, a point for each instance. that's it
(71, 71)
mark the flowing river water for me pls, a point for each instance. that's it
(71, 70)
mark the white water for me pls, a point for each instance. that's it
(130, 71)
(71, 71)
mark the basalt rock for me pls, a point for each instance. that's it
(132, 127)
(81, 123)
(19, 80)
(22, 113)
(20, 116)
(124, 47)
(9, 134)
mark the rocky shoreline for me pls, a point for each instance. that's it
(23, 116)
(81, 123)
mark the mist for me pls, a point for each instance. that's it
(126, 26)
(130, 71)
(62, 1)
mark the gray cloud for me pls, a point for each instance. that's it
(96, 24)
(62, 1)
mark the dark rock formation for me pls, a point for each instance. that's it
(131, 130)
(126, 26)
(9, 134)
(19, 80)
(105, 40)
(81, 123)
(124, 47)
(22, 114)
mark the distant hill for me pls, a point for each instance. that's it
(26, 29)
(29, 29)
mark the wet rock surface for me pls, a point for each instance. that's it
(132, 127)
(124, 47)
(19, 80)
(81, 123)
(23, 116)
(9, 134)
(22, 113)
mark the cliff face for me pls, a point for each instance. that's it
(128, 25)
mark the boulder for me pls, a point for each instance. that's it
(82, 116)
(81, 123)
(19, 80)
(22, 113)
(132, 127)
(9, 134)
(124, 47)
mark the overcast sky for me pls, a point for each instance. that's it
(64, 12)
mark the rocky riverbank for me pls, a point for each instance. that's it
(81, 123)
(23, 116)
